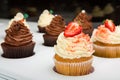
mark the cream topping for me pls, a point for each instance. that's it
(104, 35)
(74, 47)
(19, 16)
(45, 19)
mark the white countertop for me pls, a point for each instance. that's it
(40, 66)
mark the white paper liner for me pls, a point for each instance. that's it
(73, 69)
(107, 51)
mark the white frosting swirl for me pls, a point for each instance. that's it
(19, 16)
(104, 35)
(74, 47)
(45, 18)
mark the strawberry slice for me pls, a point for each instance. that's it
(72, 29)
(110, 25)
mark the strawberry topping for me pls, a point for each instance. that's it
(72, 29)
(110, 25)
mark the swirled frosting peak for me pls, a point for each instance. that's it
(104, 35)
(19, 16)
(56, 26)
(84, 20)
(45, 18)
(74, 47)
(18, 33)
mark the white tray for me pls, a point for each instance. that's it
(40, 66)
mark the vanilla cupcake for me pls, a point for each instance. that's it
(73, 52)
(44, 20)
(106, 39)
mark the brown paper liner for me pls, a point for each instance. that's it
(18, 52)
(74, 68)
(41, 29)
(49, 40)
(106, 50)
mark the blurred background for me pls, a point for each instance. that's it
(98, 9)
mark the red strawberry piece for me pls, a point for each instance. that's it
(72, 29)
(110, 25)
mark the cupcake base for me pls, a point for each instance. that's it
(91, 71)
(74, 67)
(18, 52)
(49, 40)
(41, 29)
(106, 50)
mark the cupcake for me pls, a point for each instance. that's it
(108, 9)
(73, 52)
(56, 26)
(98, 14)
(44, 20)
(85, 21)
(18, 40)
(106, 40)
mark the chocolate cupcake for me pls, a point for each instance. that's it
(18, 40)
(44, 20)
(85, 21)
(56, 26)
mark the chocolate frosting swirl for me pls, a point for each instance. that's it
(84, 20)
(18, 34)
(56, 26)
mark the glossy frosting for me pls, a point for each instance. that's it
(45, 19)
(104, 35)
(18, 33)
(56, 26)
(74, 47)
(83, 19)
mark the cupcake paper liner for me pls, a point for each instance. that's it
(18, 52)
(107, 51)
(41, 29)
(73, 69)
(49, 40)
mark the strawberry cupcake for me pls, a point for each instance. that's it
(106, 39)
(44, 20)
(73, 52)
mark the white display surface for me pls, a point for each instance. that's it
(40, 66)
